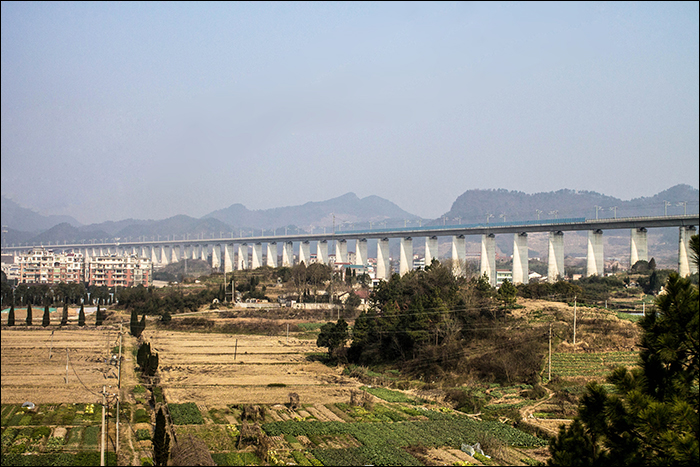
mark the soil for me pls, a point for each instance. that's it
(228, 369)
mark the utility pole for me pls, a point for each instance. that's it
(119, 385)
(102, 445)
(549, 370)
(574, 320)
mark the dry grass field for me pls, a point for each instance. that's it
(51, 365)
(235, 369)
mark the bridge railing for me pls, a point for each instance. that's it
(569, 220)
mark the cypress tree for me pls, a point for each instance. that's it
(29, 314)
(161, 440)
(11, 316)
(46, 320)
(143, 353)
(64, 318)
(142, 325)
(81, 316)
(98, 317)
(152, 365)
(134, 323)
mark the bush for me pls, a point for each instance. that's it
(143, 434)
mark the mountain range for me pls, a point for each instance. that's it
(23, 225)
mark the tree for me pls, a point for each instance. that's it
(134, 323)
(695, 250)
(652, 416)
(11, 316)
(29, 314)
(142, 354)
(64, 317)
(507, 293)
(99, 318)
(81, 315)
(333, 336)
(166, 317)
(142, 325)
(46, 320)
(161, 440)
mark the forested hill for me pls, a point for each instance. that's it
(476, 205)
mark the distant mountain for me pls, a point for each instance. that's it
(22, 225)
(66, 233)
(178, 227)
(475, 206)
(16, 217)
(346, 209)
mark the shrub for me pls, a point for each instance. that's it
(143, 434)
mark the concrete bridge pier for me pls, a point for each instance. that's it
(555, 264)
(638, 246)
(594, 263)
(341, 251)
(174, 257)
(361, 252)
(322, 251)
(257, 255)
(305, 252)
(204, 252)
(228, 257)
(431, 249)
(163, 256)
(271, 252)
(242, 261)
(288, 254)
(405, 255)
(459, 255)
(488, 258)
(520, 258)
(383, 263)
(216, 256)
(685, 266)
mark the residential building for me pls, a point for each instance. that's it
(503, 274)
(120, 271)
(42, 266)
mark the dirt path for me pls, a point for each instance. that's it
(549, 425)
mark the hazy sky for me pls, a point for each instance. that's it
(149, 110)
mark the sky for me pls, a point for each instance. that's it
(148, 110)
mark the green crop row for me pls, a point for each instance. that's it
(186, 414)
(63, 458)
(441, 431)
(388, 395)
(365, 455)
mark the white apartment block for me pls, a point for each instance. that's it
(42, 266)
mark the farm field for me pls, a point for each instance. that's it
(227, 369)
(212, 381)
(49, 366)
(591, 364)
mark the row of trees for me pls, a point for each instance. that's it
(51, 294)
(46, 319)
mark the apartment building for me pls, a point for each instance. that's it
(120, 271)
(41, 266)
